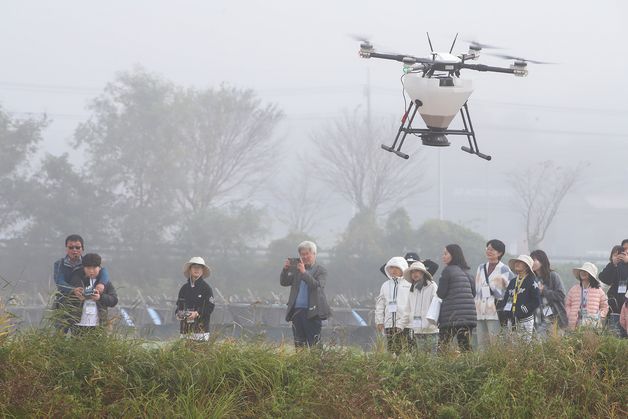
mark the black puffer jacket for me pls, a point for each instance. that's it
(457, 290)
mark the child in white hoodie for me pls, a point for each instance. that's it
(423, 334)
(390, 304)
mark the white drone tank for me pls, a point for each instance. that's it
(441, 97)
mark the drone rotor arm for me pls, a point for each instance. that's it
(482, 67)
(406, 59)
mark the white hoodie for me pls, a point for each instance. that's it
(393, 296)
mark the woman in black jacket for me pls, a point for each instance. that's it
(456, 289)
(615, 275)
(195, 302)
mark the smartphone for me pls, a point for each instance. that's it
(294, 261)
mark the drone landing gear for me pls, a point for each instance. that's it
(434, 137)
(468, 131)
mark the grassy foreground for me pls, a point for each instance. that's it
(44, 374)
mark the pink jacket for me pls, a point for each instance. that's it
(597, 303)
(623, 316)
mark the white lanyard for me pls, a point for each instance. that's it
(393, 293)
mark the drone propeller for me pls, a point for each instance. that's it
(479, 46)
(520, 59)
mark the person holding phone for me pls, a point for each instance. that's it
(307, 304)
(615, 274)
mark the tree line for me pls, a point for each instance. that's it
(170, 171)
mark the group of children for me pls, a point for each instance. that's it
(524, 296)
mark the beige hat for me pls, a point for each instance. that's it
(588, 267)
(522, 258)
(196, 260)
(416, 266)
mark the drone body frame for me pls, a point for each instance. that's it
(438, 94)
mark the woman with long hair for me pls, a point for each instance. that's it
(456, 289)
(552, 311)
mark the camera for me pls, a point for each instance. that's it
(88, 292)
(294, 261)
(186, 315)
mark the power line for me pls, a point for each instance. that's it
(313, 90)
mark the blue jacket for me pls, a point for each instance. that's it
(62, 272)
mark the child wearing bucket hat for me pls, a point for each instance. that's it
(195, 302)
(422, 333)
(586, 303)
(522, 297)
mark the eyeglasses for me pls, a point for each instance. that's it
(74, 247)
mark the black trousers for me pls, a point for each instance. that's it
(398, 340)
(307, 332)
(462, 334)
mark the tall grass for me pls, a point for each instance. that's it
(45, 374)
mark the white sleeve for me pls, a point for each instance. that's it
(404, 321)
(380, 305)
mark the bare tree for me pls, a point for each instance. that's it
(540, 191)
(300, 204)
(353, 164)
(229, 145)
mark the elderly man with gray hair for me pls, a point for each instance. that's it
(307, 304)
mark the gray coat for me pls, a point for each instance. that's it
(317, 302)
(457, 290)
(554, 293)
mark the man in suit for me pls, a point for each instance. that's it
(307, 304)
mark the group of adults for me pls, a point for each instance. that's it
(525, 297)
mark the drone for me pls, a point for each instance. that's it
(438, 93)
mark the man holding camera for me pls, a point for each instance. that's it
(615, 274)
(307, 304)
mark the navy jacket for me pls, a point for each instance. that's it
(528, 297)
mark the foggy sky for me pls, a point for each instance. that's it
(59, 55)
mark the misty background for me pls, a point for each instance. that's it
(94, 95)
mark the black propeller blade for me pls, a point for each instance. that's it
(526, 60)
(479, 45)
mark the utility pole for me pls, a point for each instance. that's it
(440, 187)
(367, 95)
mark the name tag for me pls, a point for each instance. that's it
(547, 311)
(486, 292)
(416, 322)
(90, 308)
(508, 306)
(621, 289)
(89, 317)
(392, 307)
